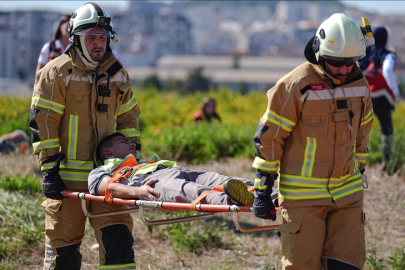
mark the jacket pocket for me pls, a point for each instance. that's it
(52, 206)
(357, 109)
(78, 98)
(315, 119)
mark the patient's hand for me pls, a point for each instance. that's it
(146, 192)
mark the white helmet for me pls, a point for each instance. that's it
(90, 16)
(337, 38)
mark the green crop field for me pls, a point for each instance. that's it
(167, 128)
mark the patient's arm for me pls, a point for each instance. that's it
(118, 190)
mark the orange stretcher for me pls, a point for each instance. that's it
(140, 205)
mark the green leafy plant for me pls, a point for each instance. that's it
(397, 261)
(29, 184)
(372, 260)
(21, 222)
(192, 236)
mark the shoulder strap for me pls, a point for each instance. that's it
(120, 173)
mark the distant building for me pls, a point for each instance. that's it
(255, 72)
(7, 68)
(150, 31)
(23, 33)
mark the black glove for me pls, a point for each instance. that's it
(263, 206)
(52, 183)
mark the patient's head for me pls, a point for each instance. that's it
(116, 146)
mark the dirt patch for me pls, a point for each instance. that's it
(383, 204)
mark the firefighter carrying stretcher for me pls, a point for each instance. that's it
(314, 136)
(80, 97)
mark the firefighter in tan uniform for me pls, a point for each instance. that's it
(80, 97)
(313, 137)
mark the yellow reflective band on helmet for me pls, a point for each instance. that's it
(309, 157)
(258, 184)
(300, 194)
(73, 131)
(46, 144)
(74, 176)
(129, 132)
(347, 189)
(47, 104)
(129, 266)
(78, 164)
(47, 166)
(261, 164)
(127, 106)
(278, 120)
(367, 118)
(362, 157)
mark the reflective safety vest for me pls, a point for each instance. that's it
(314, 133)
(74, 107)
(116, 165)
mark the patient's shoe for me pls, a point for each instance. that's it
(237, 191)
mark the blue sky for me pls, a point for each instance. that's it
(383, 7)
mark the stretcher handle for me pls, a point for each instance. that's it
(171, 220)
(252, 229)
(106, 214)
(83, 196)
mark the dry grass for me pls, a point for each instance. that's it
(384, 207)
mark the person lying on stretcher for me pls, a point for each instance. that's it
(160, 180)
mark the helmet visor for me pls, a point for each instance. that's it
(343, 59)
(90, 31)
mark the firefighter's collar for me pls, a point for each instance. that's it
(325, 75)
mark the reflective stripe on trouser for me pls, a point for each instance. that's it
(65, 224)
(310, 234)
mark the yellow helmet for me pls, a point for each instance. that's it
(337, 38)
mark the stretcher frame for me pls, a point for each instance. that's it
(209, 210)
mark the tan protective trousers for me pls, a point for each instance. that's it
(311, 235)
(65, 225)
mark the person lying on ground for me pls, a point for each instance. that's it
(16, 141)
(161, 180)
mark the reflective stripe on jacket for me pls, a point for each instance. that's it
(64, 116)
(315, 134)
(112, 165)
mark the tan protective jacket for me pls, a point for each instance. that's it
(315, 134)
(64, 115)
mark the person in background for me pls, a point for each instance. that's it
(79, 98)
(207, 111)
(16, 141)
(313, 138)
(57, 46)
(379, 68)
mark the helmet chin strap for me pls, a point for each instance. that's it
(85, 52)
